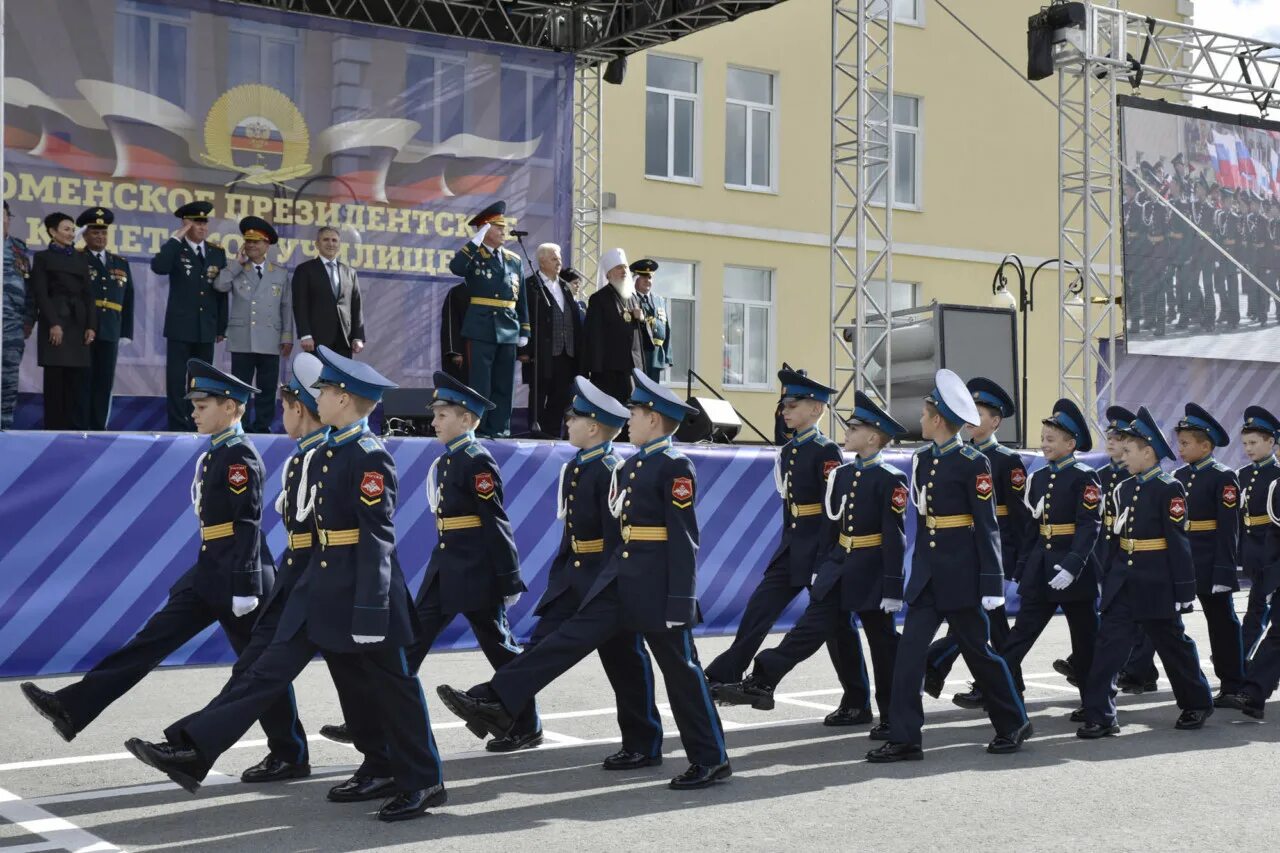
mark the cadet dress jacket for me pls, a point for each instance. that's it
(591, 533)
(1213, 512)
(864, 542)
(353, 584)
(957, 547)
(1257, 531)
(195, 312)
(655, 566)
(112, 285)
(300, 472)
(475, 559)
(1150, 553)
(59, 284)
(1065, 502)
(497, 310)
(1110, 476)
(1009, 476)
(227, 494)
(261, 313)
(800, 472)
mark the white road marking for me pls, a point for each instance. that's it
(58, 831)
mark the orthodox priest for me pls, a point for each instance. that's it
(615, 330)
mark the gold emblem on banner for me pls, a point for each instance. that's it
(256, 130)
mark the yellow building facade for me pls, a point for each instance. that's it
(717, 160)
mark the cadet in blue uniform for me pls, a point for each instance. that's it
(351, 603)
(112, 283)
(801, 470)
(860, 574)
(1259, 440)
(497, 318)
(1061, 569)
(657, 349)
(1009, 476)
(648, 584)
(232, 573)
(1149, 582)
(195, 315)
(956, 576)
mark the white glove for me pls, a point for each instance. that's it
(479, 236)
(1217, 587)
(1184, 606)
(890, 605)
(125, 341)
(1062, 579)
(510, 600)
(675, 624)
(365, 639)
(523, 342)
(242, 604)
(991, 602)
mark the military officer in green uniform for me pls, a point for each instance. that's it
(497, 317)
(112, 284)
(195, 316)
(657, 350)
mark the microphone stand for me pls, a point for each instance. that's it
(535, 428)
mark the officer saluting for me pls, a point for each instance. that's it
(657, 346)
(955, 576)
(1258, 436)
(1148, 584)
(497, 318)
(112, 284)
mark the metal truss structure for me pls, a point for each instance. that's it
(588, 169)
(861, 199)
(1118, 48)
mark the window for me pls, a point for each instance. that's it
(671, 119)
(677, 282)
(151, 50)
(263, 53)
(906, 150)
(748, 326)
(435, 94)
(749, 130)
(902, 295)
(904, 11)
(529, 106)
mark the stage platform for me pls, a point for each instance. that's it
(95, 528)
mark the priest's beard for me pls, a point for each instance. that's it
(626, 287)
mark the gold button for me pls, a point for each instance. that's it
(573, 482)
(626, 503)
(319, 500)
(857, 474)
(625, 555)
(639, 462)
(325, 469)
(633, 476)
(1052, 476)
(329, 453)
(793, 524)
(289, 561)
(577, 564)
(320, 485)
(441, 546)
(933, 544)
(324, 564)
(1048, 547)
(204, 547)
(794, 450)
(935, 462)
(291, 475)
(1131, 562)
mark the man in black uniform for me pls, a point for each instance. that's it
(1257, 529)
(112, 283)
(453, 347)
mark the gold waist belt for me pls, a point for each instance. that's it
(850, 543)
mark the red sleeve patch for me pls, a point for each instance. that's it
(1018, 478)
(371, 487)
(1092, 495)
(682, 490)
(1230, 495)
(983, 486)
(485, 485)
(238, 477)
(1177, 509)
(899, 498)
(829, 466)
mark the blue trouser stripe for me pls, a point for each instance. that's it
(989, 652)
(706, 694)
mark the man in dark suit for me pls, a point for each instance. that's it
(453, 347)
(550, 361)
(112, 284)
(326, 300)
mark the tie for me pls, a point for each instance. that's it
(200, 252)
(259, 268)
(102, 259)
(333, 277)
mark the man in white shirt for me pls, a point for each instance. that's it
(551, 359)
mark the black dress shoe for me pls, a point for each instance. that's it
(1241, 702)
(1066, 670)
(272, 769)
(49, 706)
(359, 788)
(1077, 716)
(843, 716)
(892, 752)
(625, 759)
(513, 742)
(749, 691)
(1012, 742)
(1126, 683)
(934, 681)
(337, 734)
(700, 776)
(879, 732)
(1093, 731)
(413, 803)
(1193, 718)
(482, 716)
(181, 764)
(972, 699)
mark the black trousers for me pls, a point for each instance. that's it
(1033, 618)
(95, 393)
(392, 692)
(492, 631)
(972, 631)
(176, 355)
(774, 593)
(819, 624)
(1257, 614)
(555, 393)
(63, 387)
(1264, 670)
(518, 682)
(944, 651)
(183, 616)
(1117, 633)
(1226, 282)
(629, 669)
(262, 371)
(1226, 645)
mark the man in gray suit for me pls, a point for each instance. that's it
(326, 299)
(260, 329)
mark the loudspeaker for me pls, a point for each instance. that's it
(407, 411)
(615, 71)
(716, 421)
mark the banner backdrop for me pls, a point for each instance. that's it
(394, 137)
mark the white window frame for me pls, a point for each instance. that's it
(178, 18)
(916, 20)
(669, 376)
(531, 71)
(275, 34)
(440, 56)
(753, 106)
(889, 308)
(918, 135)
(770, 344)
(673, 94)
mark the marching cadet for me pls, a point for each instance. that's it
(1149, 583)
(861, 574)
(232, 573)
(1258, 437)
(497, 318)
(195, 315)
(955, 576)
(350, 603)
(260, 331)
(657, 346)
(112, 284)
(1009, 476)
(1061, 570)
(648, 584)
(801, 471)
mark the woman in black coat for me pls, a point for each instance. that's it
(68, 322)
